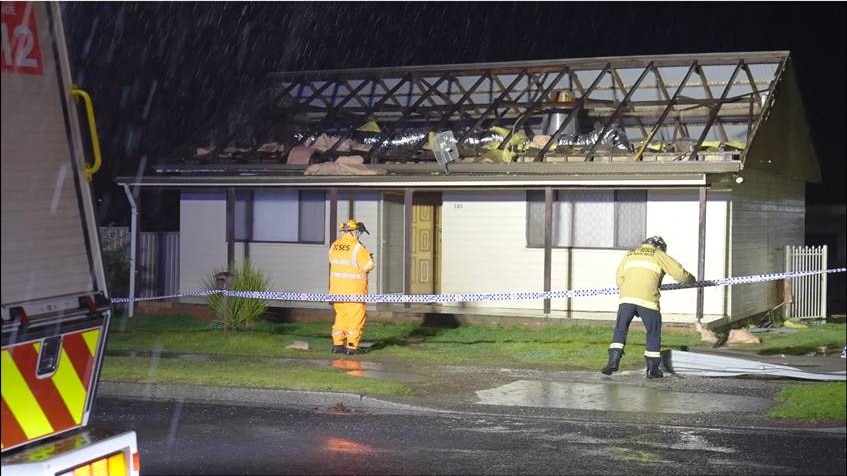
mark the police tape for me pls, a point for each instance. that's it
(474, 297)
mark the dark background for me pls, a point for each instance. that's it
(158, 71)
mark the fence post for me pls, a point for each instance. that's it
(824, 262)
(789, 267)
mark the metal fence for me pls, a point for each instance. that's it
(157, 263)
(808, 293)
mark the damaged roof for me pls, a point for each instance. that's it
(618, 118)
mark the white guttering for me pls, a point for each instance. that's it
(686, 181)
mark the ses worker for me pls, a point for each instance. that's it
(639, 276)
(349, 265)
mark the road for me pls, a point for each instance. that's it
(187, 438)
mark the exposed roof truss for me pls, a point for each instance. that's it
(667, 103)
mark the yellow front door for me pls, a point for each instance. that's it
(425, 239)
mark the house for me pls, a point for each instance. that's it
(503, 177)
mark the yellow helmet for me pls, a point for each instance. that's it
(353, 225)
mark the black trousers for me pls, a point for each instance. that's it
(651, 318)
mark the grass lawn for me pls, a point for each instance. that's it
(819, 401)
(576, 346)
(568, 347)
(829, 335)
(242, 372)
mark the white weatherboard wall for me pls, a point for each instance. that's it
(289, 266)
(589, 269)
(484, 250)
(293, 267)
(202, 237)
(365, 208)
(675, 216)
(768, 213)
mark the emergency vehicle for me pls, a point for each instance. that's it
(55, 303)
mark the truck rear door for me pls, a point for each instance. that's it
(55, 309)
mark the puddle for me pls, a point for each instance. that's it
(614, 397)
(373, 370)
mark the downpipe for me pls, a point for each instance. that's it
(133, 227)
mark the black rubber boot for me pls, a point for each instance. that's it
(614, 360)
(339, 349)
(653, 370)
(356, 351)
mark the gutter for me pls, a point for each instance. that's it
(367, 182)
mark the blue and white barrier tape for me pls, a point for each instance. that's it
(518, 296)
(168, 296)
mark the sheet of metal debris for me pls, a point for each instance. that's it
(708, 365)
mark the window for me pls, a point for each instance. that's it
(286, 216)
(589, 218)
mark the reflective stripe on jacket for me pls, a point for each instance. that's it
(640, 274)
(349, 264)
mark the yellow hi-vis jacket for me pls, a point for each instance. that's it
(349, 264)
(640, 275)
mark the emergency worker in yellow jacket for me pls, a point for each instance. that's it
(639, 276)
(349, 265)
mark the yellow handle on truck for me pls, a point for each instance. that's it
(92, 127)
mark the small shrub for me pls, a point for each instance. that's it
(237, 312)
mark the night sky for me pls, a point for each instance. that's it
(158, 71)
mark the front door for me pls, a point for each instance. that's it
(426, 211)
